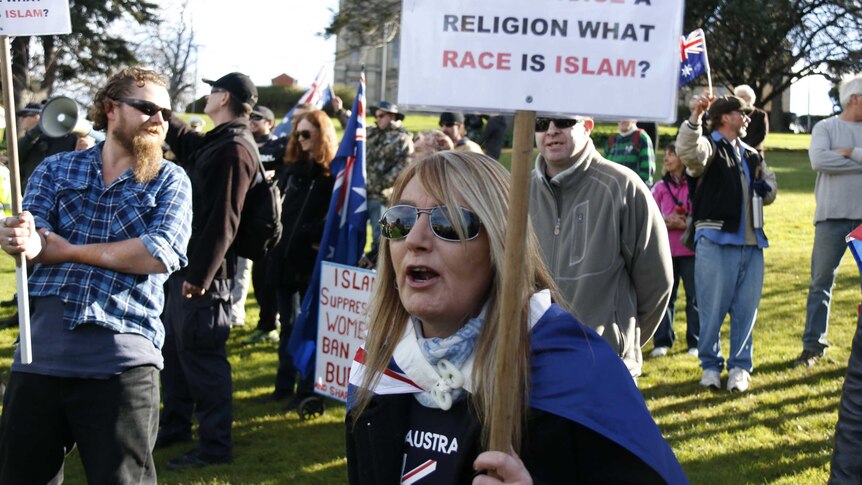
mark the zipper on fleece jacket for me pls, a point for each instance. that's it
(557, 225)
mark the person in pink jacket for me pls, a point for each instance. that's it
(671, 195)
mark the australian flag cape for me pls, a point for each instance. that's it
(574, 374)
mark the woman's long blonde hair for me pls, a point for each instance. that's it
(482, 185)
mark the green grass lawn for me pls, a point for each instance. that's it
(779, 432)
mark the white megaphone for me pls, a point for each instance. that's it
(61, 116)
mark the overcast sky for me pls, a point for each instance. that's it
(261, 38)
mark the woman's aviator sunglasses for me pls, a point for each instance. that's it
(146, 107)
(542, 124)
(303, 134)
(398, 220)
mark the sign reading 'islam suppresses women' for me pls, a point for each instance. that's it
(614, 58)
(34, 17)
(344, 295)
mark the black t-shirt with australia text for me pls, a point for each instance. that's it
(440, 446)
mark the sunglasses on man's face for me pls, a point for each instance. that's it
(398, 220)
(447, 124)
(255, 117)
(303, 134)
(542, 124)
(146, 107)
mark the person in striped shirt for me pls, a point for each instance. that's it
(632, 148)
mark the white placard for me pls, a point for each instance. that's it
(345, 292)
(609, 58)
(34, 17)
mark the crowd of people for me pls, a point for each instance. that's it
(135, 280)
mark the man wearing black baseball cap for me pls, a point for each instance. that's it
(238, 85)
(197, 376)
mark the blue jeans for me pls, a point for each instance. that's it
(829, 248)
(683, 268)
(728, 279)
(375, 212)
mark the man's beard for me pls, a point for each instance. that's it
(148, 158)
(147, 152)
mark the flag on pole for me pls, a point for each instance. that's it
(854, 241)
(319, 94)
(344, 234)
(694, 61)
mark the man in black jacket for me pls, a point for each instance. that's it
(733, 185)
(197, 375)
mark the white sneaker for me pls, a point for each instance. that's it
(692, 352)
(711, 378)
(738, 379)
(659, 352)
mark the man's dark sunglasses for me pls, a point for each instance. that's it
(542, 124)
(447, 124)
(304, 134)
(255, 117)
(398, 220)
(146, 107)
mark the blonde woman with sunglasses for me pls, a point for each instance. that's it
(421, 388)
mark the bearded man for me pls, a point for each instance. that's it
(104, 228)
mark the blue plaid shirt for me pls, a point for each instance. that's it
(67, 195)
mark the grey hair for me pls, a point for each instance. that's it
(744, 90)
(849, 88)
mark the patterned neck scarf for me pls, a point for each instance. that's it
(448, 355)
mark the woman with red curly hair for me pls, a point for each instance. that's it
(306, 184)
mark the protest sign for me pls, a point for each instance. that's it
(610, 58)
(34, 17)
(345, 293)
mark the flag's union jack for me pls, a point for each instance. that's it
(693, 57)
(693, 44)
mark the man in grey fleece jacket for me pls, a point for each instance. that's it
(603, 237)
(836, 156)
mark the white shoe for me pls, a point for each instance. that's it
(692, 352)
(711, 378)
(738, 379)
(659, 352)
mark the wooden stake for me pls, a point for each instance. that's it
(505, 387)
(12, 151)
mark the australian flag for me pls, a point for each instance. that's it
(319, 94)
(344, 234)
(694, 61)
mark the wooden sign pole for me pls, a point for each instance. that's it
(505, 397)
(12, 151)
